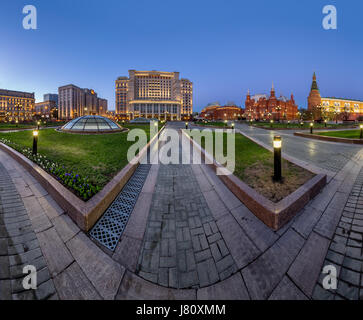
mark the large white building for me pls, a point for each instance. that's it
(154, 94)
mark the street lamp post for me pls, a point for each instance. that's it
(271, 123)
(325, 123)
(186, 125)
(38, 124)
(277, 158)
(361, 131)
(35, 141)
(311, 128)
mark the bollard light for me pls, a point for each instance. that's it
(38, 124)
(325, 122)
(301, 124)
(271, 123)
(277, 158)
(35, 141)
(232, 125)
(361, 131)
(311, 127)
(186, 125)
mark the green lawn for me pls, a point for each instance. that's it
(25, 125)
(96, 157)
(349, 134)
(306, 125)
(254, 166)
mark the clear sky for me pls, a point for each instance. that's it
(224, 47)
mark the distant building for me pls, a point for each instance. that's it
(102, 107)
(214, 112)
(46, 109)
(75, 102)
(16, 105)
(333, 108)
(51, 97)
(264, 107)
(154, 94)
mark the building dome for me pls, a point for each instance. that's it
(91, 124)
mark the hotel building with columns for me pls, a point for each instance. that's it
(153, 94)
(16, 105)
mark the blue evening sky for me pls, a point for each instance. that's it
(224, 47)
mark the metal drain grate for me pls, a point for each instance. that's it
(109, 228)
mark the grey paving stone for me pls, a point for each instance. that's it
(262, 236)
(103, 272)
(232, 288)
(5, 290)
(286, 290)
(17, 270)
(350, 277)
(347, 291)
(134, 288)
(45, 290)
(240, 246)
(263, 275)
(304, 273)
(322, 294)
(207, 272)
(127, 252)
(4, 268)
(56, 253)
(3, 247)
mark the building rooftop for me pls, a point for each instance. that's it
(342, 99)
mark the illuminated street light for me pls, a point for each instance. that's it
(271, 123)
(277, 144)
(186, 125)
(325, 123)
(311, 127)
(38, 124)
(35, 141)
(361, 131)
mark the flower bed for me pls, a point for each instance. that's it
(71, 180)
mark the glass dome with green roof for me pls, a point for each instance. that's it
(91, 125)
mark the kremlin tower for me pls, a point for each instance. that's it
(314, 98)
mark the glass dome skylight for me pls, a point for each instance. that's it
(91, 124)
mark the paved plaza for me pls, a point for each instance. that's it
(189, 237)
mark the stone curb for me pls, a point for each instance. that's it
(330, 139)
(274, 215)
(84, 214)
(282, 129)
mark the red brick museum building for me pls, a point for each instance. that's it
(264, 107)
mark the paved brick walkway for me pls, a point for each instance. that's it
(183, 247)
(346, 250)
(19, 247)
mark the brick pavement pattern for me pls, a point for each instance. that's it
(183, 246)
(346, 250)
(19, 247)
